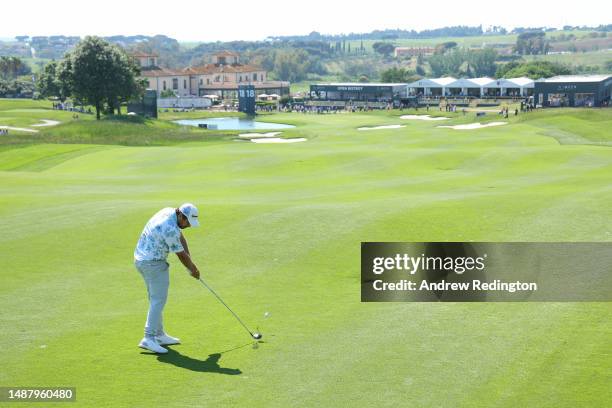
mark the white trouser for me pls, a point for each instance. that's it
(156, 277)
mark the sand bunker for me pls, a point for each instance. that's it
(278, 140)
(477, 125)
(18, 129)
(423, 117)
(381, 127)
(47, 122)
(258, 135)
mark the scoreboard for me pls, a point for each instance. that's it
(246, 99)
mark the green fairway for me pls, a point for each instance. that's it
(281, 232)
(24, 113)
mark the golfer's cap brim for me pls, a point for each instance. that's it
(193, 221)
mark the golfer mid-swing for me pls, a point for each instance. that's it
(161, 235)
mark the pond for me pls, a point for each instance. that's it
(231, 123)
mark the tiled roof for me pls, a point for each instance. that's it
(142, 55)
(226, 54)
(234, 85)
(162, 72)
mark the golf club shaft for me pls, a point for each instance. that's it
(226, 306)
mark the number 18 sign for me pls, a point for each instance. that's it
(246, 99)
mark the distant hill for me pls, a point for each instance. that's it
(55, 46)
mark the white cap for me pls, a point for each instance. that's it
(191, 212)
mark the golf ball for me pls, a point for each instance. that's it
(256, 336)
(266, 315)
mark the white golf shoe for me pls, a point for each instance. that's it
(152, 345)
(166, 340)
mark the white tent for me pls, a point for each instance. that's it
(483, 82)
(442, 86)
(429, 85)
(523, 82)
(512, 86)
(464, 85)
(444, 81)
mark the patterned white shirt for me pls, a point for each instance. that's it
(160, 236)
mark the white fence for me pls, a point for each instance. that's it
(184, 102)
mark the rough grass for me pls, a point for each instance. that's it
(118, 130)
(571, 126)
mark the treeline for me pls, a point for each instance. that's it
(464, 62)
(14, 78)
(534, 70)
(388, 34)
(601, 27)
(55, 46)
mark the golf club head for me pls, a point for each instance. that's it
(257, 336)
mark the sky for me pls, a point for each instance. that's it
(202, 20)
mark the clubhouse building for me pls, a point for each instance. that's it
(220, 78)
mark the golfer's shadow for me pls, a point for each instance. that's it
(210, 365)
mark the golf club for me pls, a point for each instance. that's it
(256, 336)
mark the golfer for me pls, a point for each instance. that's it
(161, 235)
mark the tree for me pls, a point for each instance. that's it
(383, 48)
(398, 75)
(482, 62)
(531, 42)
(127, 84)
(47, 83)
(355, 68)
(447, 64)
(16, 88)
(99, 73)
(291, 64)
(444, 47)
(533, 70)
(12, 67)
(64, 78)
(54, 80)
(502, 69)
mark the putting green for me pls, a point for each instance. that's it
(282, 226)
